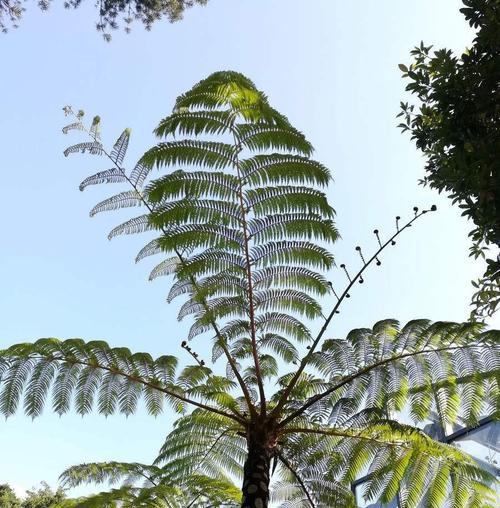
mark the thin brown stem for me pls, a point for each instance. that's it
(251, 311)
(291, 385)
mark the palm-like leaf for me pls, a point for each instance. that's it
(150, 486)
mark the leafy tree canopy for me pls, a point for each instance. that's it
(8, 498)
(456, 124)
(111, 13)
(41, 497)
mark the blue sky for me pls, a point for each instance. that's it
(329, 65)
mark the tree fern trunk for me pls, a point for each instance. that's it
(256, 470)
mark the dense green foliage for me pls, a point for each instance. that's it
(42, 497)
(8, 498)
(456, 124)
(243, 226)
(111, 13)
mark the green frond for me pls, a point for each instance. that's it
(419, 365)
(166, 267)
(272, 137)
(290, 276)
(287, 300)
(282, 323)
(212, 261)
(107, 472)
(139, 224)
(225, 88)
(283, 199)
(204, 443)
(188, 123)
(291, 252)
(283, 168)
(90, 375)
(139, 174)
(204, 154)
(219, 284)
(202, 211)
(180, 287)
(201, 235)
(91, 147)
(279, 345)
(150, 249)
(194, 184)
(292, 226)
(113, 175)
(123, 200)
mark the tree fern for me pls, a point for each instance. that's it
(244, 227)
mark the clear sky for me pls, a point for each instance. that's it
(329, 65)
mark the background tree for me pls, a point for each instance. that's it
(112, 13)
(456, 124)
(245, 224)
(45, 497)
(41, 497)
(8, 498)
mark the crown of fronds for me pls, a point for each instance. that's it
(340, 419)
(242, 221)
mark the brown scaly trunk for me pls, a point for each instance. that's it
(256, 472)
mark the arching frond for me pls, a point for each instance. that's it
(144, 485)
(123, 200)
(283, 168)
(204, 443)
(419, 365)
(91, 147)
(93, 375)
(204, 154)
(113, 175)
(389, 452)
